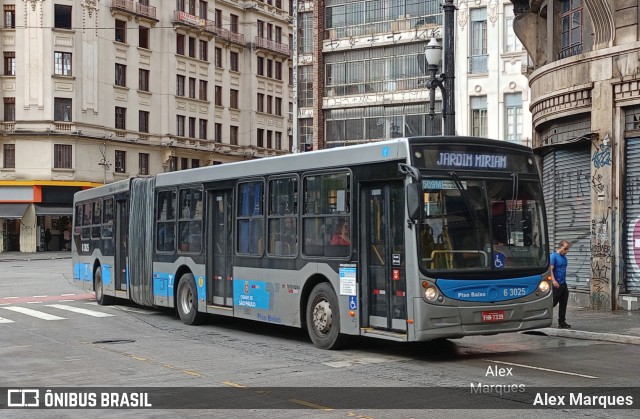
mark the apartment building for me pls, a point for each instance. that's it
(361, 71)
(492, 89)
(98, 91)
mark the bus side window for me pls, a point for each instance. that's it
(165, 219)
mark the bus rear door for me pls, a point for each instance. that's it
(122, 239)
(219, 265)
(383, 237)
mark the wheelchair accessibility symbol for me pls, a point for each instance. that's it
(498, 262)
(353, 302)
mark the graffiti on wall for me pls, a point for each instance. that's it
(601, 249)
(600, 244)
(596, 183)
(570, 184)
(601, 157)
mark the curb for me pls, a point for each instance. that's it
(35, 258)
(579, 334)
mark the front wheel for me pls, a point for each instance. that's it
(187, 301)
(98, 285)
(323, 318)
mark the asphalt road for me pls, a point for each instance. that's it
(55, 335)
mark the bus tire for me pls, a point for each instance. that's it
(98, 286)
(323, 318)
(187, 301)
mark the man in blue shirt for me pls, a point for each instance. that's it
(559, 277)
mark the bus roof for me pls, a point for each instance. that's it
(387, 150)
(108, 189)
(322, 159)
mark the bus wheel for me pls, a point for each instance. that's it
(187, 301)
(101, 298)
(323, 318)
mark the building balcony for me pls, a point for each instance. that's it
(186, 19)
(273, 46)
(225, 34)
(219, 31)
(144, 10)
(570, 51)
(135, 9)
(236, 37)
(126, 5)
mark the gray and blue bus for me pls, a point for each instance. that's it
(410, 239)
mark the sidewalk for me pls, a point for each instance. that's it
(619, 326)
(14, 256)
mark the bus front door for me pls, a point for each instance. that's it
(122, 238)
(386, 280)
(220, 265)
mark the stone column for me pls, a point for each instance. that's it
(602, 186)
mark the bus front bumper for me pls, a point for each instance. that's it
(436, 322)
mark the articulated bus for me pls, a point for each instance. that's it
(409, 239)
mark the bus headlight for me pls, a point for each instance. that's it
(544, 286)
(431, 293)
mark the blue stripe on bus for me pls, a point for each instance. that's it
(251, 294)
(488, 290)
(163, 284)
(106, 274)
(82, 271)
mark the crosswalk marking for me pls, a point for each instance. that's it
(34, 313)
(127, 309)
(80, 310)
(3, 320)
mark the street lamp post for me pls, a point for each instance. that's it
(433, 55)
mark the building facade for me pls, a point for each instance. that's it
(585, 104)
(98, 91)
(492, 90)
(362, 76)
(361, 70)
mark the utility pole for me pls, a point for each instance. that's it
(104, 162)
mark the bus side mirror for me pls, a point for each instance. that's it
(414, 202)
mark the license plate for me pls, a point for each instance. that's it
(493, 316)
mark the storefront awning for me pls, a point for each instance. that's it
(53, 210)
(12, 211)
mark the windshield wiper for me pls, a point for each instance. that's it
(514, 197)
(467, 203)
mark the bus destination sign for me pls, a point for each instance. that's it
(472, 160)
(472, 157)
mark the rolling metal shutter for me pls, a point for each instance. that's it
(632, 216)
(567, 193)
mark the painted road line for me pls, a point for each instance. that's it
(33, 313)
(311, 405)
(80, 310)
(232, 384)
(34, 302)
(46, 298)
(3, 320)
(542, 369)
(66, 295)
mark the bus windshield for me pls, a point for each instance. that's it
(477, 224)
